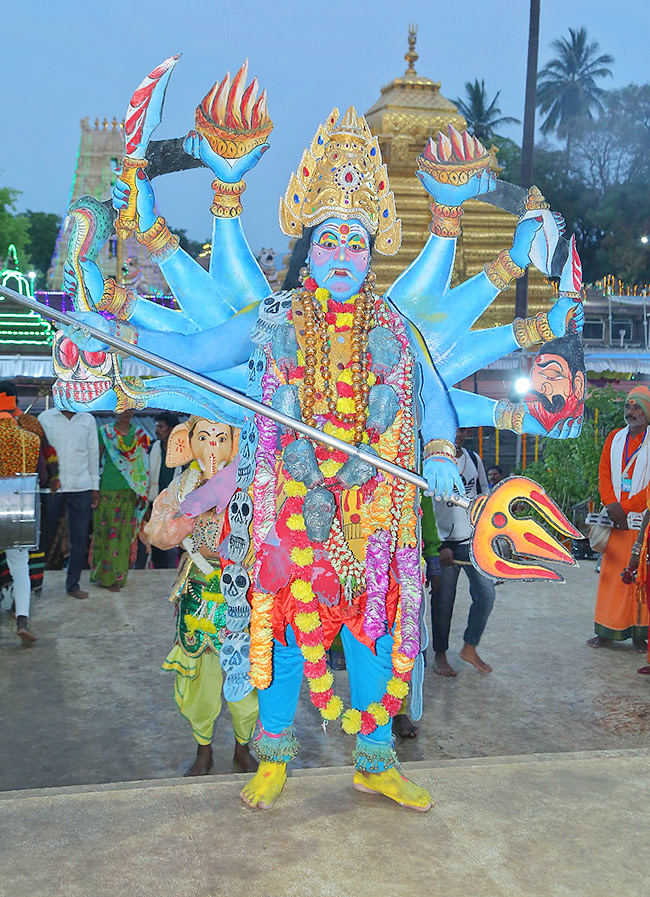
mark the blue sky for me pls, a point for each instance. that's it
(62, 61)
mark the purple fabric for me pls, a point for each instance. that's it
(216, 493)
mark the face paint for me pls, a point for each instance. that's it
(339, 256)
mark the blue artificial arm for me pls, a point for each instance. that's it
(474, 351)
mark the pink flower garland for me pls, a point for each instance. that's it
(410, 578)
(377, 564)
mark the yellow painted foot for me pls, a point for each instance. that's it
(394, 785)
(266, 785)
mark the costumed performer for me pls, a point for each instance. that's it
(204, 619)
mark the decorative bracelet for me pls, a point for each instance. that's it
(159, 241)
(502, 271)
(227, 202)
(446, 220)
(117, 299)
(531, 332)
(508, 416)
(439, 448)
(636, 549)
(126, 332)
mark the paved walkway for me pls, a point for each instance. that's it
(89, 704)
(553, 826)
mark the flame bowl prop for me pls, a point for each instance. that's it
(232, 117)
(494, 524)
(454, 159)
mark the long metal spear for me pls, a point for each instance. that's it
(233, 395)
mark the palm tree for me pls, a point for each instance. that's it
(482, 116)
(566, 86)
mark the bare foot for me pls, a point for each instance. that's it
(266, 785)
(468, 653)
(23, 632)
(598, 642)
(116, 587)
(244, 759)
(404, 727)
(645, 671)
(396, 786)
(640, 645)
(203, 763)
(441, 666)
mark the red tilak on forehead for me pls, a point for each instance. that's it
(344, 229)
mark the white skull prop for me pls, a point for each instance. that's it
(256, 367)
(235, 663)
(81, 376)
(248, 440)
(240, 512)
(234, 583)
(238, 613)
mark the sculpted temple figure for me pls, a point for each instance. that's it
(334, 543)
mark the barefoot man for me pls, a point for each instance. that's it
(623, 475)
(454, 531)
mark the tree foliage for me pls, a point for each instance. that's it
(483, 116)
(567, 86)
(13, 228)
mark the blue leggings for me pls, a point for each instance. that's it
(369, 674)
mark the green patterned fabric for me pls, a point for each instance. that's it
(205, 604)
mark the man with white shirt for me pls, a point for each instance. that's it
(74, 437)
(455, 534)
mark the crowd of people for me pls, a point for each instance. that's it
(109, 502)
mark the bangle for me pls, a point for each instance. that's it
(532, 331)
(636, 549)
(502, 270)
(446, 220)
(159, 241)
(508, 416)
(117, 300)
(439, 448)
(227, 202)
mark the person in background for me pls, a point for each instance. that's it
(494, 476)
(623, 476)
(160, 476)
(19, 453)
(122, 499)
(455, 532)
(74, 439)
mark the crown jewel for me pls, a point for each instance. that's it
(341, 175)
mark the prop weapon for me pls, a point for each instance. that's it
(143, 115)
(490, 515)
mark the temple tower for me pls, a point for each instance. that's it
(409, 110)
(101, 148)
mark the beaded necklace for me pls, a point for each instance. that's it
(318, 348)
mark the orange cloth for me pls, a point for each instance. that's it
(636, 503)
(19, 449)
(619, 615)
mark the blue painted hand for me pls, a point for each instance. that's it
(92, 277)
(443, 478)
(146, 201)
(451, 195)
(566, 316)
(82, 338)
(230, 171)
(523, 240)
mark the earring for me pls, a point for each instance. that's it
(303, 275)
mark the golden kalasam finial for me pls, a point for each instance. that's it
(411, 56)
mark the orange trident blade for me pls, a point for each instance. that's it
(492, 519)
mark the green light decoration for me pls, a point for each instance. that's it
(17, 328)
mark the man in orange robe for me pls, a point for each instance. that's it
(624, 474)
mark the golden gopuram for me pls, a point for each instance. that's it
(409, 110)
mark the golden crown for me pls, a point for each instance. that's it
(341, 175)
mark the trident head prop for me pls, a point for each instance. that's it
(492, 520)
